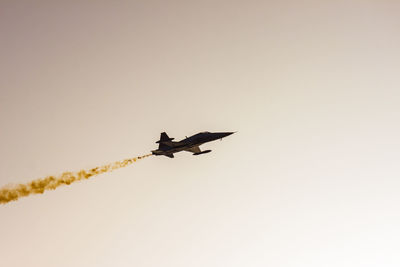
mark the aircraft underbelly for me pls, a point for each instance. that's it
(182, 148)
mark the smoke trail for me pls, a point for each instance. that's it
(38, 186)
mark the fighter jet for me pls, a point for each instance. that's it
(167, 147)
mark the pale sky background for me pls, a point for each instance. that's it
(310, 179)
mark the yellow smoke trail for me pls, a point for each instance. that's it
(38, 186)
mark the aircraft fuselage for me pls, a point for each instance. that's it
(168, 147)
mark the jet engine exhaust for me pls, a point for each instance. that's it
(38, 186)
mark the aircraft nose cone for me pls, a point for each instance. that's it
(229, 133)
(226, 134)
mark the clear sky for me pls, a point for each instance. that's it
(310, 179)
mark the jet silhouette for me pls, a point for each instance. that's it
(167, 147)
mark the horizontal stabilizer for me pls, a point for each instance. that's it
(166, 140)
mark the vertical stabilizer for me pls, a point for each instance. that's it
(165, 141)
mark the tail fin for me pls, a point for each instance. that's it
(164, 140)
